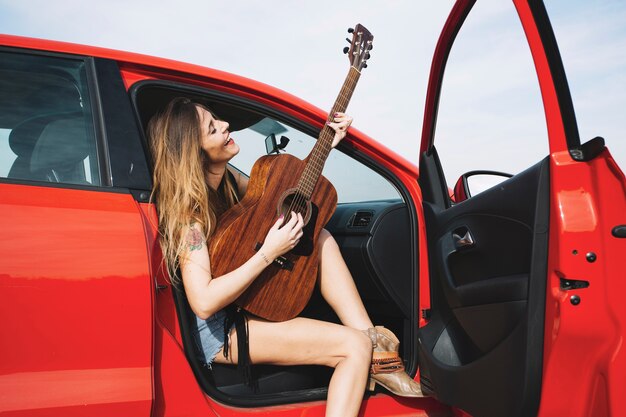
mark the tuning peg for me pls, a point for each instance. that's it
(346, 49)
(364, 65)
(367, 55)
(349, 40)
(370, 46)
(350, 30)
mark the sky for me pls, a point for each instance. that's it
(490, 116)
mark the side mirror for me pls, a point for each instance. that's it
(271, 146)
(477, 182)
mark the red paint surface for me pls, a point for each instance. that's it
(75, 304)
(584, 359)
(84, 333)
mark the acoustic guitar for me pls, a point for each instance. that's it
(280, 184)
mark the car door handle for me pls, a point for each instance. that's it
(452, 242)
(463, 240)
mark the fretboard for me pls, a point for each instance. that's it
(323, 146)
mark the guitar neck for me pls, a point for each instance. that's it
(323, 146)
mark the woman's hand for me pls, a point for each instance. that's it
(280, 240)
(340, 124)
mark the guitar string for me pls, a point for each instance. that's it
(307, 182)
(303, 190)
(321, 153)
(316, 163)
(306, 186)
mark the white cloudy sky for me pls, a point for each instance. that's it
(491, 115)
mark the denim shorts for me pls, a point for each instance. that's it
(209, 336)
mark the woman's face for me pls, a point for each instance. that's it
(216, 140)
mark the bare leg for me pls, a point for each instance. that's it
(337, 286)
(313, 342)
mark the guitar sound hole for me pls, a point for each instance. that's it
(292, 200)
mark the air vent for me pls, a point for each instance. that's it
(361, 219)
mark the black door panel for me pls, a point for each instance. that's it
(488, 270)
(501, 247)
(501, 318)
(471, 382)
(492, 268)
(378, 253)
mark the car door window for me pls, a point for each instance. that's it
(490, 114)
(46, 127)
(589, 33)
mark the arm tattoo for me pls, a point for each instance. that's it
(195, 239)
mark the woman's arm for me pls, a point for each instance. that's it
(207, 294)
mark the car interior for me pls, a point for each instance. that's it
(376, 239)
(51, 148)
(49, 136)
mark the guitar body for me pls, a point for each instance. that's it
(284, 287)
(280, 184)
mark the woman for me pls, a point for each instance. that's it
(191, 149)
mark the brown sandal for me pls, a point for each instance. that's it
(387, 369)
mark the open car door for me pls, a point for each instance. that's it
(523, 321)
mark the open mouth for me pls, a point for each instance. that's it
(229, 141)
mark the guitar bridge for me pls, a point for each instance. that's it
(281, 261)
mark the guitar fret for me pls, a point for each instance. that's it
(319, 153)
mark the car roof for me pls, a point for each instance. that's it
(315, 114)
(123, 57)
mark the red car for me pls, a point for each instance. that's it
(507, 302)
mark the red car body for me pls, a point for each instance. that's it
(90, 326)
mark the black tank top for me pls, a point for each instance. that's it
(218, 197)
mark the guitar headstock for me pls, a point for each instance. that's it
(360, 45)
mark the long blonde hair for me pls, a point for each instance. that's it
(180, 188)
